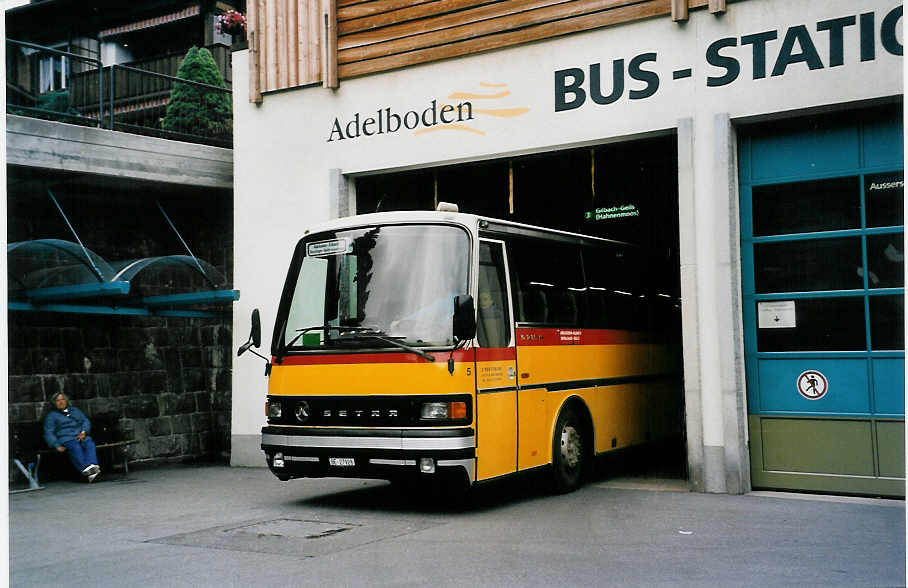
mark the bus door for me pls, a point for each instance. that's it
(496, 366)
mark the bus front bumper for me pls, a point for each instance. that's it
(368, 453)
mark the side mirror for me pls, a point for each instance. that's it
(256, 334)
(255, 337)
(464, 317)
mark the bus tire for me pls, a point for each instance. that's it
(568, 451)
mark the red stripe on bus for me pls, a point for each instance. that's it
(532, 336)
(348, 358)
(526, 337)
(496, 354)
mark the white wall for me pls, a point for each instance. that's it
(283, 157)
(280, 187)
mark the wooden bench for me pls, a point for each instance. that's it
(27, 446)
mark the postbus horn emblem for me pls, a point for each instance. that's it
(302, 411)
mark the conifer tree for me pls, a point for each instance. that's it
(197, 110)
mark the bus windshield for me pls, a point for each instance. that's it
(370, 287)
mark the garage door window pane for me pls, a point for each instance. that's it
(884, 197)
(808, 266)
(822, 324)
(887, 322)
(886, 258)
(806, 207)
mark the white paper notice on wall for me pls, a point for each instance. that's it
(778, 314)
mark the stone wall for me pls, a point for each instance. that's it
(165, 381)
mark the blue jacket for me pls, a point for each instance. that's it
(60, 428)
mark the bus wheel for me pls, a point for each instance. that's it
(567, 451)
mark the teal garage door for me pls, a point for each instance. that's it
(822, 226)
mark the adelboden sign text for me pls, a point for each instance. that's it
(389, 121)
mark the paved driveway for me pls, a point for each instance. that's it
(220, 526)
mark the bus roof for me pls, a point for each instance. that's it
(474, 222)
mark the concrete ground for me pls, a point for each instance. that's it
(217, 526)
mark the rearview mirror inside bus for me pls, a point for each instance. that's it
(464, 317)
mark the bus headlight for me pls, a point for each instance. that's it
(443, 411)
(274, 410)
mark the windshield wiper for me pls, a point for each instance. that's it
(361, 332)
(366, 332)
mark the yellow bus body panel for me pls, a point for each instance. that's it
(496, 442)
(535, 442)
(357, 379)
(516, 433)
(496, 418)
(623, 414)
(564, 363)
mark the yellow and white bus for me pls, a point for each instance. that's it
(429, 343)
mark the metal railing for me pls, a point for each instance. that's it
(49, 83)
(169, 63)
(139, 102)
(82, 91)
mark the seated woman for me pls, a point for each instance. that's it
(66, 429)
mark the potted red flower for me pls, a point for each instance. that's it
(233, 23)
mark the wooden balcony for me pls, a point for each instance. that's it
(126, 97)
(136, 90)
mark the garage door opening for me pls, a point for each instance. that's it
(622, 191)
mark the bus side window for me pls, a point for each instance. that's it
(533, 306)
(564, 307)
(616, 295)
(548, 282)
(493, 327)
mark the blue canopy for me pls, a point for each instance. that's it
(49, 274)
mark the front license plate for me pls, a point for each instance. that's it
(342, 461)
